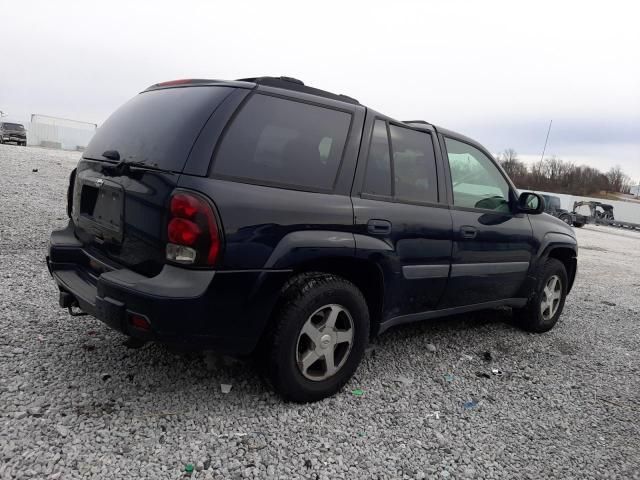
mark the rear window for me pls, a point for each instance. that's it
(158, 127)
(284, 142)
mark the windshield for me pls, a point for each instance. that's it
(12, 126)
(158, 127)
(552, 202)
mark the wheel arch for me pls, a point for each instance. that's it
(568, 256)
(365, 275)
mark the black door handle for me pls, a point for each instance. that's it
(379, 227)
(468, 232)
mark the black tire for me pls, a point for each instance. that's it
(578, 224)
(301, 297)
(530, 317)
(566, 218)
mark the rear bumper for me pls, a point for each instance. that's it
(225, 311)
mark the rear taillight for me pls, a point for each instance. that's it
(183, 232)
(192, 230)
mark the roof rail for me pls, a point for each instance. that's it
(422, 122)
(290, 83)
(267, 80)
(186, 82)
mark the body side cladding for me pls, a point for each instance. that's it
(411, 272)
(479, 269)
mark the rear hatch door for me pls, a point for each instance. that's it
(129, 169)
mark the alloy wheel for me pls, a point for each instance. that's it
(551, 296)
(324, 342)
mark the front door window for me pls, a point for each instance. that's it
(477, 182)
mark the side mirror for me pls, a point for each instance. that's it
(531, 203)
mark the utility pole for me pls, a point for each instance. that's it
(545, 141)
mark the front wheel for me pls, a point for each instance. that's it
(545, 307)
(320, 333)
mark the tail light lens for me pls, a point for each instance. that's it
(192, 230)
(183, 232)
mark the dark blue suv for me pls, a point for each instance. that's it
(263, 215)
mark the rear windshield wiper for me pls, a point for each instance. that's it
(123, 163)
(111, 155)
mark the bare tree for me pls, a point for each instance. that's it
(509, 161)
(508, 155)
(556, 175)
(618, 180)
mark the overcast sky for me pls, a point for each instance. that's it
(496, 71)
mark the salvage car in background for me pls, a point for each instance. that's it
(13, 133)
(552, 207)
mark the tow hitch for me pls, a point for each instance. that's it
(69, 302)
(76, 313)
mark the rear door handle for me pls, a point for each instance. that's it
(379, 227)
(468, 232)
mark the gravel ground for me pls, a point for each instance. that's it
(75, 402)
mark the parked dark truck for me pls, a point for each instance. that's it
(13, 133)
(552, 207)
(264, 216)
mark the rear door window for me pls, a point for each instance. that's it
(378, 174)
(414, 165)
(275, 141)
(158, 127)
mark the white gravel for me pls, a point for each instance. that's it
(76, 403)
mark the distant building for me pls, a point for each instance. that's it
(635, 190)
(62, 133)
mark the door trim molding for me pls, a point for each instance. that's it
(414, 272)
(480, 269)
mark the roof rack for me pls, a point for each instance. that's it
(186, 82)
(422, 122)
(290, 83)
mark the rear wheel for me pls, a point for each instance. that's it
(578, 224)
(319, 337)
(545, 307)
